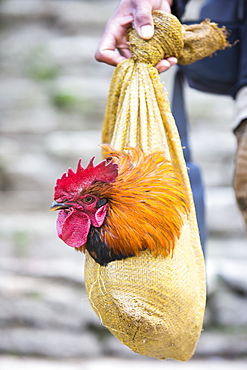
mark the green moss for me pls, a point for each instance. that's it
(20, 239)
(40, 66)
(99, 331)
(43, 72)
(230, 330)
(65, 99)
(35, 295)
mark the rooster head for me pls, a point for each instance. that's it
(77, 197)
(128, 203)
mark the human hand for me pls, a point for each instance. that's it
(113, 47)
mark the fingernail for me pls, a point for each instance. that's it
(147, 32)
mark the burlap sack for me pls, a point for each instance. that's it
(154, 305)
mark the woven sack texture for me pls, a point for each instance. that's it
(154, 305)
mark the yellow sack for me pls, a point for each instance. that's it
(154, 305)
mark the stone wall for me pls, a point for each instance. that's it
(52, 103)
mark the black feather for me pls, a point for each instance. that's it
(99, 250)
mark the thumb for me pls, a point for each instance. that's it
(143, 21)
(146, 31)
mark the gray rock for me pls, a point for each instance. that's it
(215, 155)
(112, 363)
(59, 344)
(72, 15)
(69, 312)
(81, 144)
(21, 94)
(52, 105)
(222, 344)
(223, 216)
(28, 10)
(113, 347)
(230, 309)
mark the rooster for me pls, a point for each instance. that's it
(128, 203)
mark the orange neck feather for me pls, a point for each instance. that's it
(147, 204)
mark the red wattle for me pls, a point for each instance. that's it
(73, 227)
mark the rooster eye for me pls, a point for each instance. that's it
(88, 200)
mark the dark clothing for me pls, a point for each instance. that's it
(216, 10)
(180, 116)
(224, 73)
(230, 76)
(224, 10)
(178, 7)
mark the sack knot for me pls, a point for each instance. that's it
(166, 42)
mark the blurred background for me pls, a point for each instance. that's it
(52, 100)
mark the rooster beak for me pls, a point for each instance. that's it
(56, 206)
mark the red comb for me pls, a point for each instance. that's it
(85, 177)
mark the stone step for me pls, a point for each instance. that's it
(112, 363)
(45, 291)
(43, 157)
(79, 15)
(222, 214)
(31, 207)
(52, 105)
